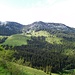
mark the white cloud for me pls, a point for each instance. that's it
(51, 1)
(62, 12)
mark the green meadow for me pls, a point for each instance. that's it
(21, 39)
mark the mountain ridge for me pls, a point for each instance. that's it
(9, 27)
(54, 27)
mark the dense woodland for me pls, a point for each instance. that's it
(45, 56)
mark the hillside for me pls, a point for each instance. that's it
(16, 40)
(25, 71)
(8, 67)
(49, 47)
(21, 39)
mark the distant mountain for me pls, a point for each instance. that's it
(9, 28)
(49, 27)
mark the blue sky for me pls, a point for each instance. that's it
(28, 11)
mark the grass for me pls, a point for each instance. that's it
(16, 40)
(31, 71)
(69, 52)
(1, 37)
(49, 37)
(24, 69)
(4, 71)
(21, 39)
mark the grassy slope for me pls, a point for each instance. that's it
(25, 70)
(31, 71)
(1, 37)
(17, 39)
(4, 71)
(69, 52)
(20, 39)
(49, 38)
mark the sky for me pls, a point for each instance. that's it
(29, 11)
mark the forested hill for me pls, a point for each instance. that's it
(46, 46)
